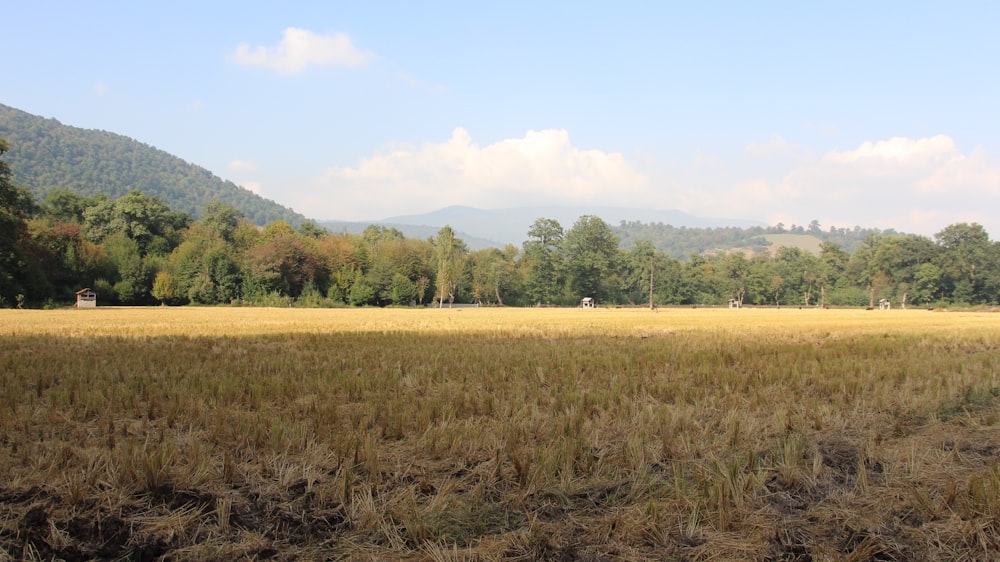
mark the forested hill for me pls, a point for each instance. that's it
(45, 154)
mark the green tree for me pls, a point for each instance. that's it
(19, 272)
(736, 272)
(145, 219)
(221, 220)
(65, 206)
(493, 273)
(863, 269)
(164, 287)
(645, 274)
(800, 273)
(543, 262)
(964, 253)
(312, 230)
(286, 262)
(591, 249)
(900, 257)
(449, 253)
(927, 284)
(403, 290)
(134, 279)
(699, 284)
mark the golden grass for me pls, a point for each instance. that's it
(208, 433)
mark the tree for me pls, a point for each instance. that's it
(286, 263)
(134, 279)
(164, 287)
(19, 274)
(221, 220)
(145, 219)
(449, 253)
(542, 261)
(927, 283)
(312, 230)
(800, 272)
(900, 257)
(403, 290)
(591, 249)
(964, 251)
(492, 272)
(862, 268)
(65, 206)
(736, 268)
(699, 284)
(645, 267)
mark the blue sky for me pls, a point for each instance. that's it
(878, 114)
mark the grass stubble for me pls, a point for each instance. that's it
(499, 434)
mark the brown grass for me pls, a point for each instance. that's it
(488, 434)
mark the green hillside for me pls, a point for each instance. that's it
(45, 154)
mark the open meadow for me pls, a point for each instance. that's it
(499, 434)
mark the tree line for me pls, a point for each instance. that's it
(134, 250)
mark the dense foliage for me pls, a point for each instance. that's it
(135, 250)
(47, 155)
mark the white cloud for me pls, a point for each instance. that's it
(299, 49)
(100, 88)
(543, 167)
(242, 166)
(975, 173)
(898, 150)
(913, 185)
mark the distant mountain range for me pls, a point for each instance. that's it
(45, 154)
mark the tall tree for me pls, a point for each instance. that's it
(19, 273)
(591, 249)
(543, 261)
(646, 267)
(736, 269)
(221, 220)
(449, 253)
(964, 251)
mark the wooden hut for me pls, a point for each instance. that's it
(86, 298)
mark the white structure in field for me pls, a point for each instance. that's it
(86, 298)
(588, 302)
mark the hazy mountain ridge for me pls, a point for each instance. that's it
(499, 227)
(46, 154)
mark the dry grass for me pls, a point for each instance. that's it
(485, 434)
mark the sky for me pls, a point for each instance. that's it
(874, 114)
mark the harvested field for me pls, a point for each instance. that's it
(499, 434)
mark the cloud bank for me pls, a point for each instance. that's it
(300, 49)
(913, 185)
(542, 167)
